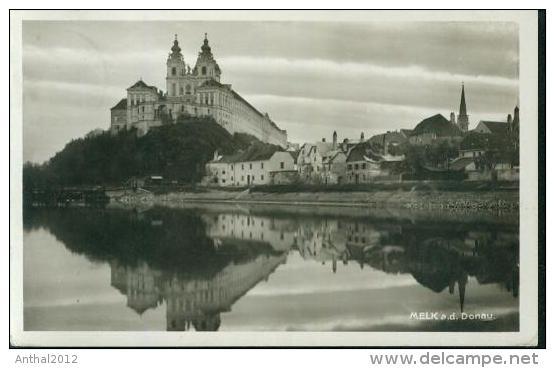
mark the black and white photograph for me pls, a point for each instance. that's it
(274, 178)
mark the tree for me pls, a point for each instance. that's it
(175, 151)
(439, 154)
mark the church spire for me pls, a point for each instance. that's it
(462, 109)
(462, 119)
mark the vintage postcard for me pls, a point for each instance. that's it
(274, 178)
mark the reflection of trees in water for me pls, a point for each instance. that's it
(175, 240)
(199, 263)
(439, 259)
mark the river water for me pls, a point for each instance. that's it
(275, 268)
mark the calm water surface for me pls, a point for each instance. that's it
(220, 267)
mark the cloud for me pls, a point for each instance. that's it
(353, 76)
(322, 68)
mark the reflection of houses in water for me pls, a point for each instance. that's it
(192, 300)
(364, 239)
(280, 234)
(323, 241)
(438, 258)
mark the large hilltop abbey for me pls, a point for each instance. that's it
(196, 92)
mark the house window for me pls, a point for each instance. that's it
(203, 70)
(182, 108)
(262, 165)
(223, 181)
(223, 172)
(242, 168)
(356, 166)
(180, 90)
(250, 166)
(363, 166)
(261, 177)
(282, 165)
(174, 71)
(188, 89)
(349, 167)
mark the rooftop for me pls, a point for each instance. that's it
(496, 127)
(122, 105)
(437, 124)
(141, 84)
(256, 152)
(461, 163)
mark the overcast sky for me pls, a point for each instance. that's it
(311, 77)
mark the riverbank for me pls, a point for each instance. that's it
(506, 199)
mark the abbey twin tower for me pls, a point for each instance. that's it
(195, 92)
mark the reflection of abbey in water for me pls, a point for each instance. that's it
(199, 263)
(191, 301)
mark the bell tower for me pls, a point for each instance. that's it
(206, 67)
(176, 70)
